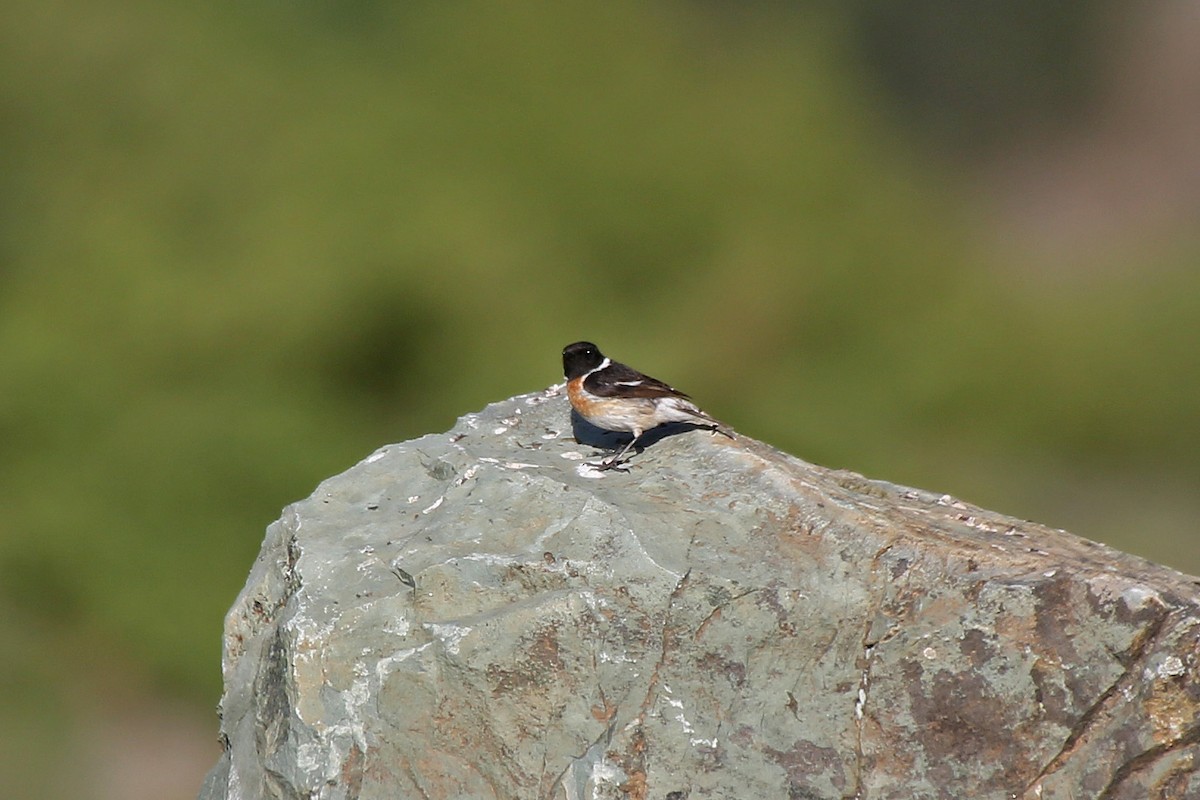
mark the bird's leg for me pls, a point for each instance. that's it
(615, 461)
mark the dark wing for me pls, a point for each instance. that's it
(618, 380)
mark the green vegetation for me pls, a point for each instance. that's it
(245, 244)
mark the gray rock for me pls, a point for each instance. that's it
(481, 614)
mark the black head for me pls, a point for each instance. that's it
(581, 358)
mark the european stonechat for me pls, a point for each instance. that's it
(615, 397)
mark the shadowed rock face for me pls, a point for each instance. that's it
(480, 614)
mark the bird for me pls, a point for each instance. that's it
(616, 397)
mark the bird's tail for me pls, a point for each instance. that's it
(714, 423)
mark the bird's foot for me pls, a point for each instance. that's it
(612, 463)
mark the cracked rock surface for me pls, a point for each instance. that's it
(481, 614)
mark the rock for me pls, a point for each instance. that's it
(481, 614)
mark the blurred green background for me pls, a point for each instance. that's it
(244, 244)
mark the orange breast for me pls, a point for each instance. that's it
(579, 398)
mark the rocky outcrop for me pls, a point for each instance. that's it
(482, 614)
